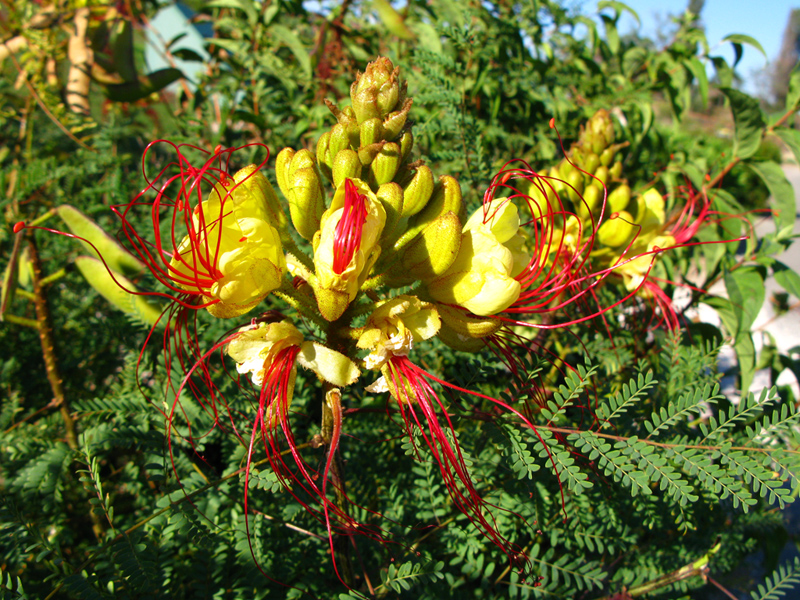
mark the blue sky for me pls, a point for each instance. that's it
(764, 20)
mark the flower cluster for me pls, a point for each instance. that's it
(393, 259)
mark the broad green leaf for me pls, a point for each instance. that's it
(247, 6)
(612, 35)
(746, 292)
(748, 120)
(793, 95)
(790, 137)
(619, 7)
(143, 86)
(117, 290)
(781, 190)
(723, 70)
(740, 38)
(392, 19)
(698, 69)
(787, 278)
(288, 37)
(98, 242)
(633, 60)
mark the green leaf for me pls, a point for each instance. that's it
(247, 6)
(787, 278)
(119, 290)
(746, 292)
(290, 38)
(746, 355)
(392, 19)
(740, 38)
(143, 86)
(699, 71)
(98, 242)
(632, 61)
(793, 95)
(612, 35)
(782, 193)
(619, 7)
(748, 120)
(790, 137)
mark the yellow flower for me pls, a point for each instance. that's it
(256, 349)
(481, 279)
(346, 246)
(394, 327)
(232, 255)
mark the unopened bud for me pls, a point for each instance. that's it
(377, 91)
(574, 183)
(306, 201)
(465, 325)
(607, 156)
(459, 341)
(417, 193)
(446, 197)
(346, 165)
(324, 159)
(340, 140)
(590, 162)
(303, 159)
(618, 199)
(601, 175)
(394, 122)
(371, 132)
(617, 231)
(391, 196)
(616, 171)
(251, 180)
(282, 171)
(384, 166)
(406, 144)
(432, 253)
(591, 200)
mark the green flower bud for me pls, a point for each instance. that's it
(446, 197)
(395, 121)
(432, 253)
(406, 144)
(366, 154)
(592, 196)
(574, 183)
(465, 325)
(590, 162)
(459, 341)
(306, 201)
(303, 159)
(371, 132)
(616, 171)
(377, 91)
(598, 142)
(601, 174)
(340, 140)
(607, 156)
(251, 179)
(617, 231)
(418, 191)
(346, 165)
(324, 159)
(384, 167)
(391, 196)
(282, 162)
(618, 199)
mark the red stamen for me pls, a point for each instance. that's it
(19, 226)
(347, 237)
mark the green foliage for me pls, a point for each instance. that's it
(638, 461)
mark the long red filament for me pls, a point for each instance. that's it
(347, 237)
